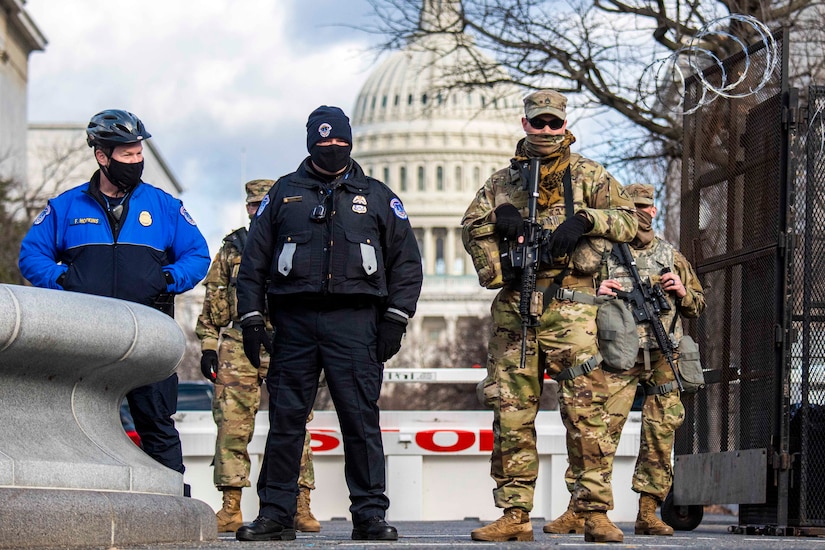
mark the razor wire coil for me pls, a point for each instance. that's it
(666, 76)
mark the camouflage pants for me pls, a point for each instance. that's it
(565, 337)
(594, 407)
(236, 401)
(662, 414)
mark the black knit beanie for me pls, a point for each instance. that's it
(327, 122)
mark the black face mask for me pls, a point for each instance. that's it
(331, 158)
(124, 176)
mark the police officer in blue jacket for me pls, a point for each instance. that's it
(332, 254)
(117, 236)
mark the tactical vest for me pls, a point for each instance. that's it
(649, 262)
(484, 246)
(224, 306)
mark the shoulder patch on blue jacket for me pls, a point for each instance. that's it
(186, 215)
(42, 216)
(262, 206)
(398, 208)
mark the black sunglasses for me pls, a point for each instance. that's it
(540, 123)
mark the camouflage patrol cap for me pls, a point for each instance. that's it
(256, 190)
(641, 193)
(545, 102)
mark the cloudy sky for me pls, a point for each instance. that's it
(223, 86)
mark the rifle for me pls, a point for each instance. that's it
(648, 302)
(526, 254)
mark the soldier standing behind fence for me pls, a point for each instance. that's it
(237, 382)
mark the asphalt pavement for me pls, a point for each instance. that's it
(712, 533)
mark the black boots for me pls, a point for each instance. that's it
(374, 528)
(265, 529)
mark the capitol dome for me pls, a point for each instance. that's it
(435, 142)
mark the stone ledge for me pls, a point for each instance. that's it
(36, 518)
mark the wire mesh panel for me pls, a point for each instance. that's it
(733, 226)
(807, 357)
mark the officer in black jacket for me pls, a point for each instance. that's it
(332, 251)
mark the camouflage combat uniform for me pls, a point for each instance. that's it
(590, 464)
(566, 336)
(662, 412)
(238, 383)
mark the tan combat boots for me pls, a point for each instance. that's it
(567, 523)
(599, 528)
(647, 522)
(229, 516)
(513, 525)
(304, 520)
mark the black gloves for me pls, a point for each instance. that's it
(255, 336)
(509, 222)
(390, 333)
(209, 364)
(564, 238)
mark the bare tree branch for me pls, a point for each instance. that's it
(596, 52)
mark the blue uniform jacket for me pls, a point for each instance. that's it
(74, 235)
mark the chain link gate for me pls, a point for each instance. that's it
(736, 210)
(807, 350)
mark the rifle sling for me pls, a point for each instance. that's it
(578, 370)
(661, 390)
(554, 291)
(567, 183)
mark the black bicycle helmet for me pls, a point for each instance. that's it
(114, 127)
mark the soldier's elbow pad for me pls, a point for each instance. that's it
(483, 246)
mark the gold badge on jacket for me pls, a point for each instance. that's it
(145, 218)
(359, 204)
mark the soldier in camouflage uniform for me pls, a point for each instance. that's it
(565, 340)
(237, 382)
(662, 412)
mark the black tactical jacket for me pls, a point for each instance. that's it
(362, 244)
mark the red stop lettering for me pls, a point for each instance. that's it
(327, 442)
(485, 440)
(426, 440)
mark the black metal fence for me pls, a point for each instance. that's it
(806, 360)
(753, 224)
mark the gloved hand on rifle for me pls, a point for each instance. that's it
(565, 237)
(209, 364)
(255, 336)
(509, 222)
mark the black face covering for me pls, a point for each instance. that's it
(331, 158)
(124, 176)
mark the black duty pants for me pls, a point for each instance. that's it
(152, 407)
(342, 342)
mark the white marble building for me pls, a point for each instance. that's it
(19, 37)
(435, 147)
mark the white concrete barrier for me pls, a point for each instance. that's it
(438, 462)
